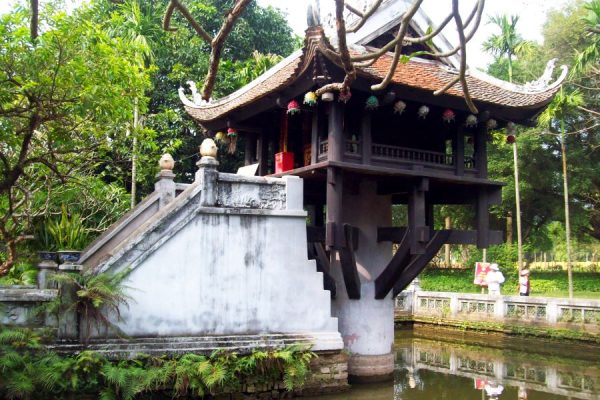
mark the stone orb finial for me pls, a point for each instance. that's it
(166, 162)
(208, 148)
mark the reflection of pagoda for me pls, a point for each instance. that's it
(406, 147)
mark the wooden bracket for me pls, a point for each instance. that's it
(348, 262)
(388, 277)
(420, 261)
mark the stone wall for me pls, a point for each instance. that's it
(21, 306)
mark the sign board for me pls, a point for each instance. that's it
(481, 271)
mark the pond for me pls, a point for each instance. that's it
(442, 365)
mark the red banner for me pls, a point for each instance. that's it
(481, 270)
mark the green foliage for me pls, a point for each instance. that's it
(96, 297)
(29, 371)
(543, 283)
(68, 232)
(22, 273)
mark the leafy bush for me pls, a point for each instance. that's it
(30, 371)
(68, 232)
(22, 273)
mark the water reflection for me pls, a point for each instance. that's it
(434, 369)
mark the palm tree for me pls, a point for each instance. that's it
(141, 28)
(554, 116)
(508, 43)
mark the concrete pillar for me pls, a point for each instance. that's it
(207, 174)
(165, 185)
(68, 319)
(46, 269)
(367, 324)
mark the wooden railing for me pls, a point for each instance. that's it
(353, 148)
(405, 153)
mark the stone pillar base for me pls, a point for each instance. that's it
(365, 368)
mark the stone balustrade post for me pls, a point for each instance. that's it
(165, 185)
(46, 270)
(552, 311)
(68, 319)
(207, 174)
(454, 304)
(499, 308)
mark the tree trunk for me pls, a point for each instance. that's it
(509, 228)
(447, 260)
(518, 205)
(134, 154)
(563, 150)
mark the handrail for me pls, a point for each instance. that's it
(406, 153)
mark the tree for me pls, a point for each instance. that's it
(466, 31)
(62, 89)
(508, 43)
(555, 114)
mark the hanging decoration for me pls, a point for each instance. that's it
(310, 98)
(510, 139)
(491, 124)
(471, 121)
(372, 103)
(220, 137)
(232, 136)
(423, 111)
(293, 107)
(448, 115)
(399, 107)
(345, 96)
(511, 128)
(327, 96)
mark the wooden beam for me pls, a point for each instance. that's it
(483, 219)
(261, 153)
(334, 207)
(392, 272)
(366, 139)
(459, 151)
(481, 159)
(314, 137)
(335, 132)
(317, 252)
(420, 261)
(348, 263)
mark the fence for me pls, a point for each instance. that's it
(576, 314)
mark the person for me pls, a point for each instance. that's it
(494, 279)
(493, 390)
(524, 283)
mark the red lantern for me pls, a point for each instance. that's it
(232, 135)
(510, 139)
(448, 115)
(293, 107)
(344, 96)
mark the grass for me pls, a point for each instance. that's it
(543, 283)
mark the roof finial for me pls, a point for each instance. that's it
(313, 14)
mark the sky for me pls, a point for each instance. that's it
(532, 15)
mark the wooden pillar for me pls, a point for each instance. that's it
(483, 219)
(459, 151)
(333, 233)
(262, 153)
(417, 216)
(314, 137)
(250, 149)
(481, 151)
(366, 139)
(335, 133)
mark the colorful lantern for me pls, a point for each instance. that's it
(220, 137)
(510, 139)
(293, 107)
(511, 128)
(327, 96)
(448, 115)
(232, 135)
(399, 107)
(471, 121)
(310, 98)
(372, 103)
(345, 96)
(422, 112)
(491, 124)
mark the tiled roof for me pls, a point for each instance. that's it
(416, 73)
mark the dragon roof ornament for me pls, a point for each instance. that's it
(196, 98)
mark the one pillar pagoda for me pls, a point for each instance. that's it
(359, 153)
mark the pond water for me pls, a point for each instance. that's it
(437, 365)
